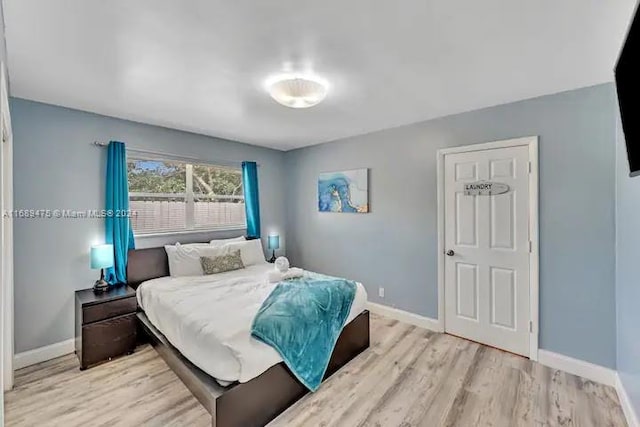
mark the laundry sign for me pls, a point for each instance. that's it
(485, 188)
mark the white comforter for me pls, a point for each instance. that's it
(208, 319)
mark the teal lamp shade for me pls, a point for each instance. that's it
(101, 256)
(274, 241)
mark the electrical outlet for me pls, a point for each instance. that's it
(381, 292)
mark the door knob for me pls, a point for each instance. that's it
(450, 253)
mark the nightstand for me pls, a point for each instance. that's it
(106, 324)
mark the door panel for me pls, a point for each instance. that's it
(466, 171)
(502, 222)
(502, 168)
(503, 297)
(487, 274)
(467, 291)
(466, 221)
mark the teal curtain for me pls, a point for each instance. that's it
(251, 198)
(117, 227)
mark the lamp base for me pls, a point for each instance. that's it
(273, 257)
(100, 286)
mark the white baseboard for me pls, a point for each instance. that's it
(405, 316)
(625, 402)
(42, 354)
(578, 367)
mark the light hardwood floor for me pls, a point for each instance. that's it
(409, 377)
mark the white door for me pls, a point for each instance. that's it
(487, 248)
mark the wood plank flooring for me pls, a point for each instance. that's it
(409, 377)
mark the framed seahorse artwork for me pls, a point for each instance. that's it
(345, 191)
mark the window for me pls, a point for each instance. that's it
(171, 195)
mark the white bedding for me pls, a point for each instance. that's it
(208, 319)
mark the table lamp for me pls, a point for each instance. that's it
(101, 258)
(274, 243)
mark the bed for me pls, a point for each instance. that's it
(239, 380)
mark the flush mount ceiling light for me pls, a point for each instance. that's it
(297, 90)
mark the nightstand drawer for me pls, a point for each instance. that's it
(108, 338)
(97, 312)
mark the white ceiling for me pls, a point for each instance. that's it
(199, 65)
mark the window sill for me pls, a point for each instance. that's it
(186, 232)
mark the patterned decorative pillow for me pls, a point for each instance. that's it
(222, 263)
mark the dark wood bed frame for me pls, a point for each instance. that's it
(257, 401)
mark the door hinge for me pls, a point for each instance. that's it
(530, 246)
(530, 326)
(529, 167)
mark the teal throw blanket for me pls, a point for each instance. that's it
(302, 320)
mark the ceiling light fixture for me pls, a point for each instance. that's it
(297, 90)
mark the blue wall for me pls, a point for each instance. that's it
(627, 273)
(57, 167)
(395, 245)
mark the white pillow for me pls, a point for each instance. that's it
(193, 245)
(250, 251)
(222, 242)
(184, 260)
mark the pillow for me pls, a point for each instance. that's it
(222, 263)
(184, 260)
(222, 242)
(192, 245)
(250, 251)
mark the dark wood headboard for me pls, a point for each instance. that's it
(146, 264)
